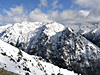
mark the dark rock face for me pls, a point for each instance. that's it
(70, 50)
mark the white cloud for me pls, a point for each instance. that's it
(16, 14)
(64, 16)
(68, 14)
(37, 15)
(88, 3)
(72, 16)
(92, 15)
(84, 13)
(43, 3)
(1, 18)
(94, 12)
(18, 10)
(56, 5)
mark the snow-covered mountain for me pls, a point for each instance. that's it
(56, 44)
(17, 61)
(83, 28)
(93, 36)
(25, 34)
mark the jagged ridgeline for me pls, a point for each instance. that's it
(56, 44)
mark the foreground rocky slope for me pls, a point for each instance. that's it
(5, 72)
(17, 61)
(56, 44)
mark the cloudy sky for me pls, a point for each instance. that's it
(62, 11)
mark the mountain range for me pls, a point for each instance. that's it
(49, 48)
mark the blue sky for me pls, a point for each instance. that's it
(62, 11)
(32, 4)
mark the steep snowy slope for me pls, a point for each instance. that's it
(56, 44)
(17, 61)
(93, 36)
